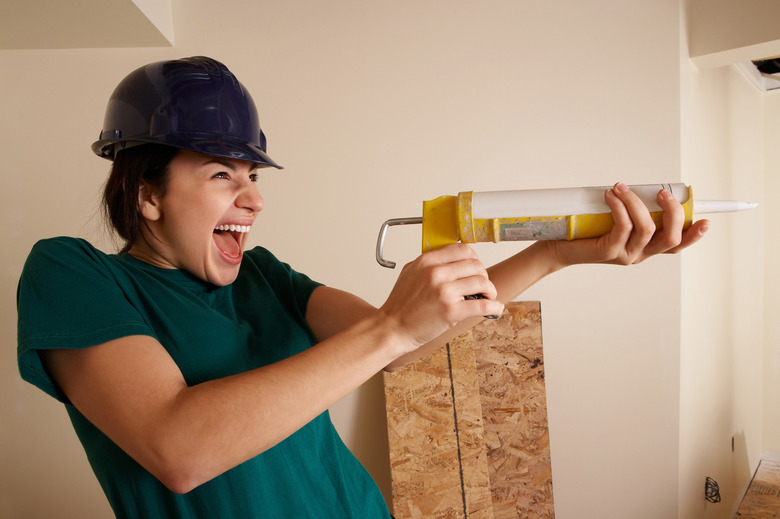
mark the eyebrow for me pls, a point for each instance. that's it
(221, 162)
(216, 160)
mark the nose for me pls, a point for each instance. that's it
(250, 198)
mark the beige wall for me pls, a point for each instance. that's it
(372, 108)
(723, 280)
(729, 381)
(772, 278)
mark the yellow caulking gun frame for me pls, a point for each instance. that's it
(540, 214)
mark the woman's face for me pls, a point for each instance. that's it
(201, 222)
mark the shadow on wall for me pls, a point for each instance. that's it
(742, 473)
(369, 436)
(721, 480)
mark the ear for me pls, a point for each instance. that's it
(149, 202)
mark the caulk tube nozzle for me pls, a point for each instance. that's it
(721, 206)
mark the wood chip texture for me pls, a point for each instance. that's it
(762, 499)
(467, 425)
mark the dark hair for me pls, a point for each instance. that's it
(145, 163)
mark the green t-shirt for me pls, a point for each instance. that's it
(71, 295)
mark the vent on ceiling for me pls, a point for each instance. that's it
(764, 72)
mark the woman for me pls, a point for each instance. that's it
(198, 375)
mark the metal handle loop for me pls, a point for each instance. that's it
(380, 242)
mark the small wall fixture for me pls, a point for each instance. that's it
(711, 490)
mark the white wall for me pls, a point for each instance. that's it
(372, 108)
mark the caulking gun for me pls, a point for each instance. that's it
(537, 214)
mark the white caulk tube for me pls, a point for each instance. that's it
(584, 200)
(561, 201)
(564, 214)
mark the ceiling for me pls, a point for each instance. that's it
(72, 24)
(720, 32)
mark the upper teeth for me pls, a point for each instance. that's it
(234, 228)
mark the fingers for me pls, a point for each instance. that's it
(458, 268)
(693, 234)
(430, 294)
(673, 220)
(644, 240)
(634, 236)
(621, 231)
(633, 229)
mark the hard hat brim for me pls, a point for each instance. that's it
(108, 148)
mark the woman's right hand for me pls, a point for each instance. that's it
(428, 298)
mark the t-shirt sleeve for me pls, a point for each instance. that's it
(283, 279)
(303, 286)
(69, 297)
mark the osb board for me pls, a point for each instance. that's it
(762, 499)
(438, 464)
(514, 409)
(437, 454)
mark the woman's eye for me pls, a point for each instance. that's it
(221, 175)
(253, 177)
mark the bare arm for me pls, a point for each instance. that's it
(131, 389)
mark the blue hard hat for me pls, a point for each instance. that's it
(195, 104)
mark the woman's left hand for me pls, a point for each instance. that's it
(634, 237)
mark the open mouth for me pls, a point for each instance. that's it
(228, 239)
